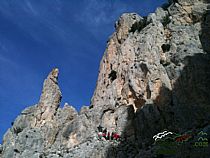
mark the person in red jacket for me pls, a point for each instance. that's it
(116, 136)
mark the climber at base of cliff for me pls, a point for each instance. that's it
(104, 135)
(115, 136)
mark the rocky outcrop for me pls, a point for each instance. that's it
(1, 149)
(131, 72)
(50, 98)
(39, 127)
(154, 75)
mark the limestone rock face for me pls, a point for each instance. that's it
(127, 23)
(154, 75)
(39, 127)
(50, 97)
(1, 148)
(189, 2)
(131, 71)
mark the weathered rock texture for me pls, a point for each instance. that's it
(154, 75)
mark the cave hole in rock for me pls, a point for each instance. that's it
(113, 75)
(119, 98)
(144, 68)
(116, 104)
(16, 151)
(166, 47)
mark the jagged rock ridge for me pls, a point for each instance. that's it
(154, 75)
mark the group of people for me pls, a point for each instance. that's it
(103, 134)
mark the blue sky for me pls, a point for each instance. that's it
(38, 35)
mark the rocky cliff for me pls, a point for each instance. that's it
(154, 75)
